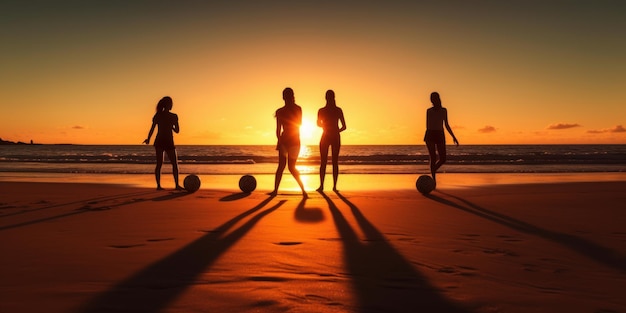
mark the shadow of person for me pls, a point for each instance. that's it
(99, 204)
(383, 280)
(308, 215)
(579, 245)
(171, 196)
(95, 200)
(153, 288)
(235, 196)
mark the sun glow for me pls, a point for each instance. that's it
(309, 132)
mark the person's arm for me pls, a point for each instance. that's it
(176, 127)
(147, 141)
(342, 120)
(445, 121)
(299, 117)
(320, 122)
(278, 128)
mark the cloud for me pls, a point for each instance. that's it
(487, 129)
(78, 127)
(616, 129)
(563, 126)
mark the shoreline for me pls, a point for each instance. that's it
(311, 181)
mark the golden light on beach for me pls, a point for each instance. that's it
(305, 151)
(360, 250)
(111, 110)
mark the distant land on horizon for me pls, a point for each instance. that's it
(6, 142)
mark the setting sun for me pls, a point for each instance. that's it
(225, 65)
(309, 132)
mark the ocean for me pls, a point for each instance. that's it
(354, 159)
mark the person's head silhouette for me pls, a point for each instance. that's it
(330, 97)
(288, 95)
(165, 104)
(434, 98)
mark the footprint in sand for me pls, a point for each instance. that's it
(288, 243)
(126, 246)
(499, 251)
(508, 238)
(469, 237)
(458, 270)
(529, 267)
(330, 239)
(160, 239)
(88, 207)
(207, 231)
(461, 251)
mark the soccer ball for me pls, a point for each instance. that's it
(247, 183)
(191, 183)
(425, 184)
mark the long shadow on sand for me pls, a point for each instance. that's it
(235, 196)
(93, 200)
(88, 205)
(156, 286)
(384, 281)
(304, 214)
(584, 247)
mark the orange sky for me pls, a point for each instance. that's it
(518, 73)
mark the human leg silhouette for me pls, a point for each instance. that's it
(323, 161)
(291, 163)
(335, 152)
(437, 156)
(157, 169)
(171, 154)
(282, 163)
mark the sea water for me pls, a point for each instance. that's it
(353, 159)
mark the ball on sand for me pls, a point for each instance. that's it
(247, 183)
(425, 184)
(191, 183)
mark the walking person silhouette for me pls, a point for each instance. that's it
(164, 142)
(288, 121)
(328, 118)
(435, 137)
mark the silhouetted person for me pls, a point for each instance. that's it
(288, 121)
(328, 118)
(435, 137)
(164, 141)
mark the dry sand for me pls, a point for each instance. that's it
(481, 243)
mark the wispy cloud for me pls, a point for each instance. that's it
(487, 129)
(78, 127)
(563, 126)
(615, 129)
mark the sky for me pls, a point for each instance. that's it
(509, 72)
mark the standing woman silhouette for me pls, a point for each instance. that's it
(328, 118)
(435, 137)
(164, 141)
(288, 121)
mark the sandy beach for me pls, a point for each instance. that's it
(480, 243)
